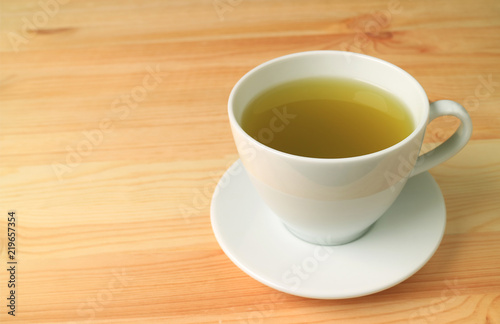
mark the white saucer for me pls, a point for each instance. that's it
(396, 246)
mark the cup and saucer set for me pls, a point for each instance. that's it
(333, 228)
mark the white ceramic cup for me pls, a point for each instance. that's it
(333, 201)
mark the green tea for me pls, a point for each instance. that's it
(327, 118)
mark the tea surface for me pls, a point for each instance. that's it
(327, 118)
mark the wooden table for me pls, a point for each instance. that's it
(114, 133)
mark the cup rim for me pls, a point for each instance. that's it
(422, 123)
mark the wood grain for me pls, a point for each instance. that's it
(122, 233)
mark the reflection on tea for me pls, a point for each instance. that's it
(327, 118)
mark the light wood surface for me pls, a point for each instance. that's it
(112, 198)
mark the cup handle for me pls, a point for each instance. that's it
(453, 144)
